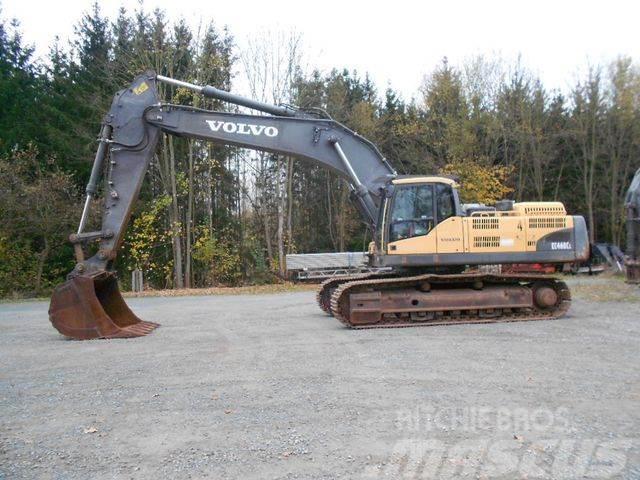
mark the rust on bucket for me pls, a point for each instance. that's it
(88, 307)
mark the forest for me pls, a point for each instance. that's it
(214, 215)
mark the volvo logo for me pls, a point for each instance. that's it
(242, 128)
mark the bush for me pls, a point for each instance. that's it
(18, 268)
(220, 261)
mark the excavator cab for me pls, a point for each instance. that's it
(416, 208)
(413, 207)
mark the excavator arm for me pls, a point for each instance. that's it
(89, 304)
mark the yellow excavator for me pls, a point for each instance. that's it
(422, 230)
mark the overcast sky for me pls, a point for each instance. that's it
(396, 41)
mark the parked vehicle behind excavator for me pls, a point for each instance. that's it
(632, 252)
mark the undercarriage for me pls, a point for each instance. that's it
(431, 299)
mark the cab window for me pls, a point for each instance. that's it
(412, 212)
(445, 202)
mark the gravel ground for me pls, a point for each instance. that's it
(266, 386)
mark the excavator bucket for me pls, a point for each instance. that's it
(86, 307)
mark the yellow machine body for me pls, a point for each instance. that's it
(526, 232)
(499, 232)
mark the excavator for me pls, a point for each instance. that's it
(632, 252)
(422, 231)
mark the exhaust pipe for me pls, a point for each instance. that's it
(89, 307)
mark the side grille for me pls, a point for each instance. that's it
(485, 223)
(486, 242)
(544, 210)
(548, 222)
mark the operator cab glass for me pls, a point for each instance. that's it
(445, 202)
(417, 208)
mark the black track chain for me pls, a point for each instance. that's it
(323, 294)
(339, 299)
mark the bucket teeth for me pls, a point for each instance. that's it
(85, 308)
(138, 330)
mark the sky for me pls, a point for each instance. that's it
(396, 41)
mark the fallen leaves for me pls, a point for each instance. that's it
(246, 290)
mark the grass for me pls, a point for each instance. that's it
(603, 288)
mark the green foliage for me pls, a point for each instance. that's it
(447, 115)
(20, 92)
(221, 259)
(146, 237)
(38, 207)
(18, 266)
(257, 267)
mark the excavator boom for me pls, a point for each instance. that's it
(89, 304)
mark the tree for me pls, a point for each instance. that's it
(480, 182)
(621, 138)
(20, 92)
(587, 126)
(212, 214)
(447, 115)
(38, 206)
(271, 62)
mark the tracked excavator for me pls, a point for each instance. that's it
(422, 230)
(632, 252)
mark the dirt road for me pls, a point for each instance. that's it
(266, 386)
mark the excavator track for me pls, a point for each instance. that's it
(326, 288)
(430, 299)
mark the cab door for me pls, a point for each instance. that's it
(412, 218)
(449, 231)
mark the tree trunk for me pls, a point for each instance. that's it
(290, 205)
(556, 190)
(262, 201)
(342, 218)
(280, 199)
(42, 258)
(178, 278)
(267, 234)
(189, 222)
(210, 192)
(330, 225)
